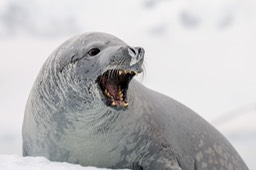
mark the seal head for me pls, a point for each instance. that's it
(106, 60)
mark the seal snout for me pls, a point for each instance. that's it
(136, 54)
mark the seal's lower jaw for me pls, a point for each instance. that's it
(114, 85)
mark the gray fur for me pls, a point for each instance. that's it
(66, 118)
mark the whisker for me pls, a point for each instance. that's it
(144, 71)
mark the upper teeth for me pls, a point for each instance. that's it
(120, 72)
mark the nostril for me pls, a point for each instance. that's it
(134, 52)
(139, 51)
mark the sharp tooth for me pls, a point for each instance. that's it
(136, 73)
(106, 92)
(121, 96)
(119, 72)
(125, 104)
(113, 103)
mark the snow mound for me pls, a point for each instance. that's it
(16, 162)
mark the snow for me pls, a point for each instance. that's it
(200, 53)
(15, 162)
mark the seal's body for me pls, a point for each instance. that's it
(85, 108)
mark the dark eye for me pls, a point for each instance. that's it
(93, 51)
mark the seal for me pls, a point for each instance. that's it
(86, 108)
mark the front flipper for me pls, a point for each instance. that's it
(136, 166)
(157, 164)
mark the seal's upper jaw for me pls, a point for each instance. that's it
(114, 85)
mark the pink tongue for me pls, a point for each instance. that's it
(112, 88)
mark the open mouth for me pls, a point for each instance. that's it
(114, 85)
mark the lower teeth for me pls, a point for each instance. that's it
(120, 98)
(113, 103)
(124, 104)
